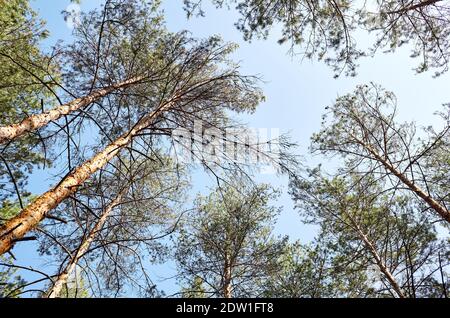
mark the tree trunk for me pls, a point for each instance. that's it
(227, 287)
(15, 229)
(62, 278)
(383, 268)
(432, 203)
(34, 122)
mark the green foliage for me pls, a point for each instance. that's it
(197, 290)
(10, 283)
(170, 62)
(327, 29)
(229, 229)
(310, 271)
(298, 274)
(318, 27)
(25, 86)
(22, 67)
(75, 289)
(9, 209)
(363, 227)
(421, 25)
(437, 158)
(369, 226)
(362, 129)
(133, 235)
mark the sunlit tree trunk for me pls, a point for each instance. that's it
(64, 275)
(227, 287)
(15, 229)
(34, 122)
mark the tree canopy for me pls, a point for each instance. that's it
(147, 173)
(325, 29)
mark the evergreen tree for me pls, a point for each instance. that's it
(325, 29)
(197, 82)
(383, 237)
(26, 81)
(227, 242)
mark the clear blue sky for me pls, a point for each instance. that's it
(297, 93)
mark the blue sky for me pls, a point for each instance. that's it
(297, 93)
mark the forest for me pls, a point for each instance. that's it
(130, 165)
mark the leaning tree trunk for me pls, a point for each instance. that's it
(34, 122)
(15, 229)
(63, 276)
(428, 199)
(381, 265)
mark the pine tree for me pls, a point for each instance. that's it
(227, 242)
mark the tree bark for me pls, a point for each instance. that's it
(34, 122)
(64, 275)
(432, 203)
(227, 287)
(15, 229)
